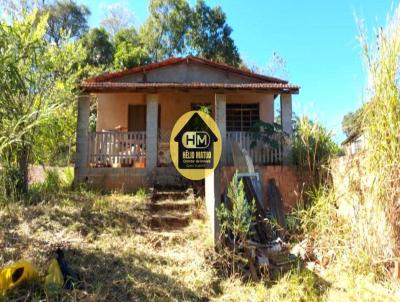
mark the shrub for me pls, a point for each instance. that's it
(238, 219)
(313, 147)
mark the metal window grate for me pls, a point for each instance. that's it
(240, 117)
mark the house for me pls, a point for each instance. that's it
(137, 108)
(353, 144)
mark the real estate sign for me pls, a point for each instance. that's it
(195, 145)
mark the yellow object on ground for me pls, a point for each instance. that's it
(14, 274)
(54, 277)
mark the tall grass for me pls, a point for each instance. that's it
(381, 126)
(313, 147)
(356, 224)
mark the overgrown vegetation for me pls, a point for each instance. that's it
(381, 126)
(351, 229)
(237, 221)
(36, 77)
(312, 148)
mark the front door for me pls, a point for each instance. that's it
(137, 118)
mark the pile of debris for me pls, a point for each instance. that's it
(264, 249)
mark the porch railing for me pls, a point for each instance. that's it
(117, 149)
(262, 154)
(128, 149)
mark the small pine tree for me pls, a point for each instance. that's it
(239, 219)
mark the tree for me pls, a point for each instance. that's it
(66, 18)
(128, 34)
(276, 66)
(117, 17)
(239, 218)
(129, 52)
(351, 123)
(174, 28)
(100, 50)
(33, 78)
(210, 35)
(17, 9)
(165, 31)
(128, 55)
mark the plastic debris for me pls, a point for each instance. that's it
(54, 278)
(15, 274)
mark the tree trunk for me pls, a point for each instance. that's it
(23, 166)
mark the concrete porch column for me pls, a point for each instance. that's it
(286, 118)
(213, 181)
(151, 131)
(220, 119)
(82, 138)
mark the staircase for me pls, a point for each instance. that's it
(171, 208)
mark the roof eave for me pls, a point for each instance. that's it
(294, 90)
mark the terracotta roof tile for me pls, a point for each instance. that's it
(117, 86)
(172, 61)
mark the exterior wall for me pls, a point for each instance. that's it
(187, 73)
(289, 180)
(120, 179)
(355, 146)
(112, 108)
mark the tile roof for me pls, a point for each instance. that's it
(129, 87)
(173, 61)
(106, 82)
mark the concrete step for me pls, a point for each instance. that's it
(170, 195)
(170, 221)
(170, 205)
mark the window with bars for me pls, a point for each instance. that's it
(241, 117)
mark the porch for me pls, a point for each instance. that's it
(152, 115)
(115, 149)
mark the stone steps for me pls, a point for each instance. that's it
(180, 205)
(170, 195)
(170, 222)
(170, 209)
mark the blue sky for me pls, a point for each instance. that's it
(317, 39)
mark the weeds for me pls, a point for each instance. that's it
(381, 127)
(313, 147)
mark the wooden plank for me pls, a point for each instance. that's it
(276, 202)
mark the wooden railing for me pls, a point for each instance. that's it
(117, 149)
(128, 149)
(262, 154)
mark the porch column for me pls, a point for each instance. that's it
(151, 131)
(286, 118)
(82, 137)
(267, 109)
(220, 119)
(213, 181)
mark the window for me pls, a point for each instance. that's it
(137, 118)
(240, 117)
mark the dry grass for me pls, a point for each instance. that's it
(107, 239)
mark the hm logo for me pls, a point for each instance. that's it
(196, 140)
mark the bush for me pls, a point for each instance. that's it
(237, 220)
(313, 147)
